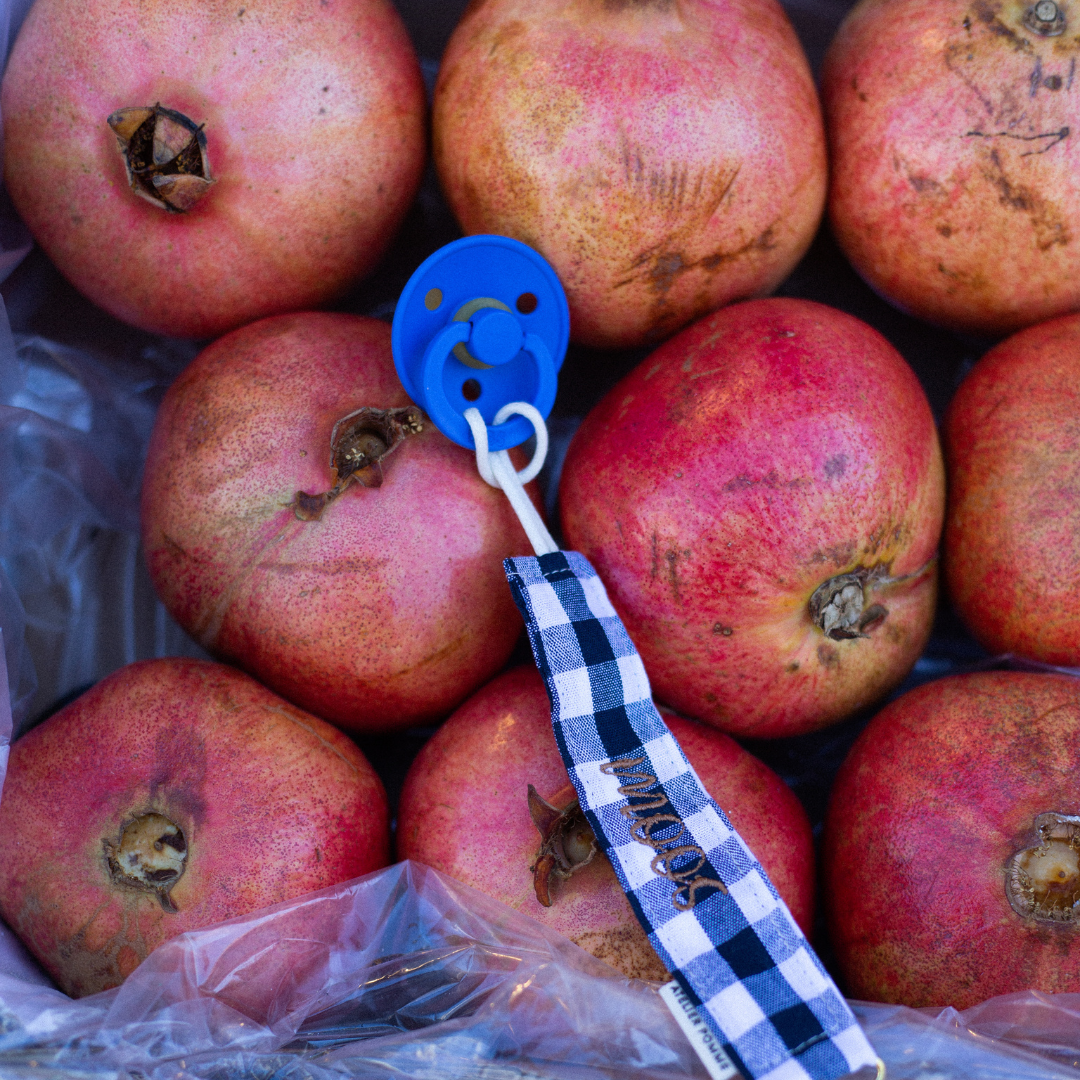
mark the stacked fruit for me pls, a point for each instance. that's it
(763, 495)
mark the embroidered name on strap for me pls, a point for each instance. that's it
(662, 831)
(710, 911)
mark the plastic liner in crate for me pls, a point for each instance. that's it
(407, 974)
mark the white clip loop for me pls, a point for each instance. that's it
(532, 414)
(498, 470)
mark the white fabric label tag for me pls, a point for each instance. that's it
(701, 1038)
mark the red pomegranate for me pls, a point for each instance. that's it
(194, 165)
(951, 854)
(763, 497)
(953, 129)
(665, 158)
(302, 519)
(467, 809)
(172, 795)
(1012, 531)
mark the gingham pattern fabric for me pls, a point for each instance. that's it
(710, 911)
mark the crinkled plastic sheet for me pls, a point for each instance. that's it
(405, 973)
(400, 973)
(75, 599)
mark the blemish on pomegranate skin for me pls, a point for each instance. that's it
(1037, 144)
(1042, 882)
(624, 5)
(173, 547)
(672, 558)
(828, 656)
(986, 14)
(924, 184)
(836, 466)
(310, 507)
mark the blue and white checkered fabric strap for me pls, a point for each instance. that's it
(710, 911)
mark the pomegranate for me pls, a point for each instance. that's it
(665, 158)
(953, 127)
(951, 853)
(763, 497)
(302, 519)
(191, 165)
(488, 801)
(1012, 532)
(172, 795)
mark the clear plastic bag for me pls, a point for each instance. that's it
(405, 973)
(402, 972)
(1024, 1036)
(75, 599)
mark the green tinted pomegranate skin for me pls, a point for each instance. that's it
(464, 810)
(377, 607)
(1012, 531)
(763, 497)
(313, 121)
(954, 137)
(932, 829)
(665, 156)
(173, 795)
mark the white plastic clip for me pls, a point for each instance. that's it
(498, 470)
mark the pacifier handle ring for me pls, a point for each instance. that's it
(439, 348)
(448, 420)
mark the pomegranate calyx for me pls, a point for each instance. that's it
(150, 854)
(359, 443)
(567, 842)
(1042, 881)
(164, 154)
(838, 606)
(1044, 18)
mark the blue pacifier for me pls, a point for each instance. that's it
(482, 322)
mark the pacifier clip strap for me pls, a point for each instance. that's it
(710, 911)
(480, 331)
